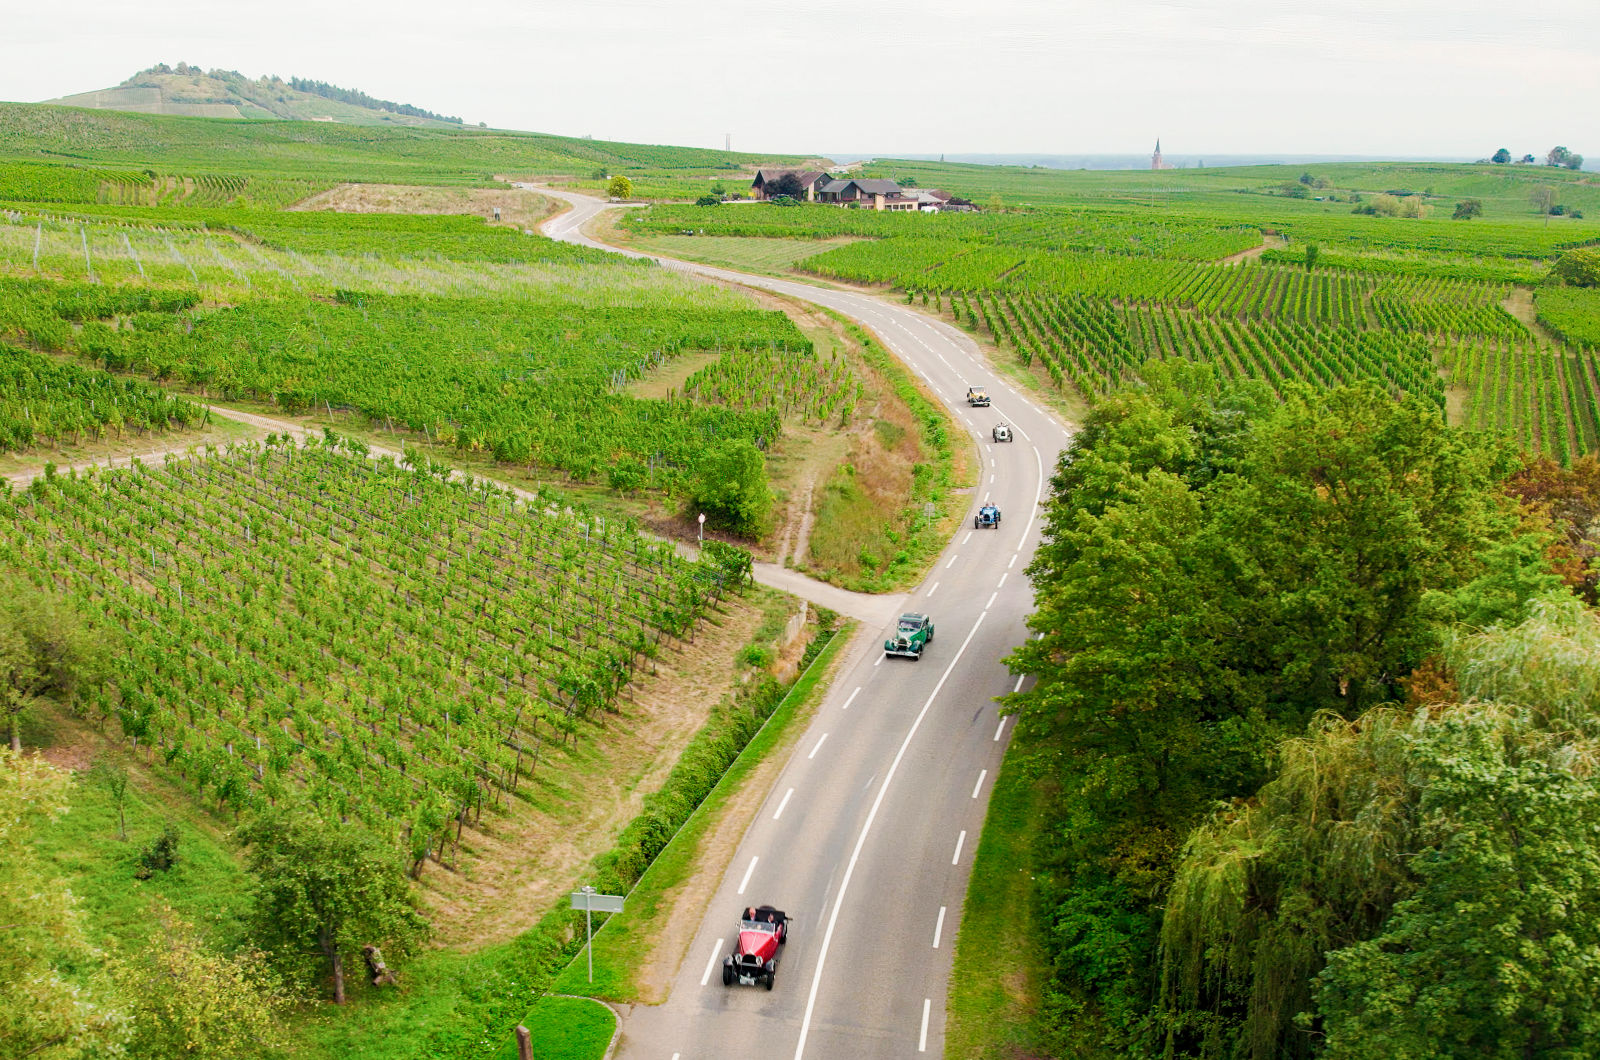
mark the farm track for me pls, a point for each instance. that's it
(867, 836)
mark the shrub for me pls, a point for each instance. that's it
(161, 854)
(708, 200)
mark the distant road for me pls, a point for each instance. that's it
(867, 838)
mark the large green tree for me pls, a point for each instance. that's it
(46, 652)
(324, 890)
(56, 1001)
(1220, 566)
(1420, 882)
(730, 487)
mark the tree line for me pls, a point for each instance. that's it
(1315, 702)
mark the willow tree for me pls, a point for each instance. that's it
(1419, 882)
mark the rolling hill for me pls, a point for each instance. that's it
(191, 92)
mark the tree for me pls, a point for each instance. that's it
(45, 652)
(1420, 882)
(730, 487)
(1543, 199)
(110, 772)
(55, 1000)
(326, 888)
(1468, 209)
(1574, 161)
(1579, 268)
(1312, 253)
(620, 187)
(789, 184)
(185, 1000)
(1556, 156)
(1501, 157)
(708, 200)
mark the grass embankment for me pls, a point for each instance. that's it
(852, 544)
(633, 932)
(999, 964)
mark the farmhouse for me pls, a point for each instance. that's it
(764, 186)
(866, 194)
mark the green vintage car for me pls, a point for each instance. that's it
(913, 633)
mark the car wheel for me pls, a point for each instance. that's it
(727, 975)
(975, 523)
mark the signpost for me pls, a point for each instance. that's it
(592, 903)
(702, 529)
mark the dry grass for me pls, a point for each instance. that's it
(518, 208)
(519, 866)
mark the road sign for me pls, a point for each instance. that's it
(592, 903)
(596, 903)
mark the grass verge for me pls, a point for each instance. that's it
(901, 550)
(999, 969)
(618, 945)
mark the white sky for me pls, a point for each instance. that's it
(1401, 77)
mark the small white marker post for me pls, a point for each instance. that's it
(702, 529)
(591, 903)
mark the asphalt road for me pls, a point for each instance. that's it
(868, 836)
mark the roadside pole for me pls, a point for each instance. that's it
(591, 902)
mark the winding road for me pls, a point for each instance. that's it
(868, 836)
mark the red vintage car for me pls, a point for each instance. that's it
(762, 929)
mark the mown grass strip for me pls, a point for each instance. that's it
(999, 964)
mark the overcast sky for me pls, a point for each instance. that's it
(1383, 77)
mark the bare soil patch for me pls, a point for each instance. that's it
(517, 867)
(519, 208)
(1269, 241)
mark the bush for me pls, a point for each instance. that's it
(1467, 209)
(730, 487)
(160, 855)
(708, 200)
(1578, 268)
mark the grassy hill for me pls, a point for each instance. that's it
(331, 152)
(192, 92)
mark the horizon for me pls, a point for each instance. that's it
(1345, 79)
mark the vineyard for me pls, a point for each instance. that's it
(403, 648)
(34, 182)
(42, 400)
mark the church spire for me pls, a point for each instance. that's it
(1155, 159)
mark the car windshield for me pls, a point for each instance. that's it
(977, 391)
(909, 625)
(757, 925)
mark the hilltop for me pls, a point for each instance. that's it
(192, 92)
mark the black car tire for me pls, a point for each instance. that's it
(770, 977)
(727, 975)
(975, 522)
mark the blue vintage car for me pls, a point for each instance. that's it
(988, 517)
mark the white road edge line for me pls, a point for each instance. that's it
(922, 1039)
(934, 589)
(1002, 727)
(852, 698)
(952, 562)
(712, 963)
(746, 881)
(779, 811)
(938, 928)
(812, 755)
(976, 787)
(861, 840)
(955, 859)
(992, 599)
